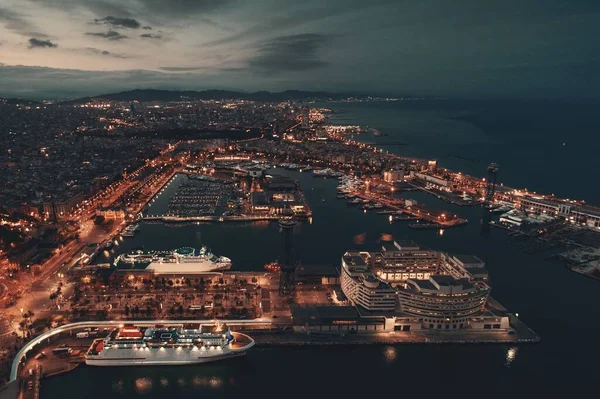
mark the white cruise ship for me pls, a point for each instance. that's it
(180, 261)
(167, 345)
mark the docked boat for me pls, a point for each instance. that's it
(385, 212)
(162, 345)
(180, 261)
(404, 217)
(130, 230)
(425, 226)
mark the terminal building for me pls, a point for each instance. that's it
(362, 288)
(398, 261)
(463, 266)
(443, 302)
(583, 215)
(416, 288)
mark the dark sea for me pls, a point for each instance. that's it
(546, 147)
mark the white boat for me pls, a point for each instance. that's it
(181, 344)
(184, 260)
(130, 230)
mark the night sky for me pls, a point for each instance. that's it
(459, 48)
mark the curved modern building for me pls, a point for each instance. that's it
(362, 288)
(443, 302)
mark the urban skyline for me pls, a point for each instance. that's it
(403, 186)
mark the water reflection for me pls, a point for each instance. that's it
(143, 384)
(389, 353)
(210, 382)
(511, 354)
(118, 385)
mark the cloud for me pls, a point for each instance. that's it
(184, 7)
(16, 22)
(95, 51)
(289, 53)
(37, 43)
(181, 69)
(117, 22)
(110, 35)
(147, 27)
(151, 36)
(151, 10)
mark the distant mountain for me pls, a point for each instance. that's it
(174, 95)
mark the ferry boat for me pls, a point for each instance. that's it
(182, 344)
(184, 260)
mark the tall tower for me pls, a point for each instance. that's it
(305, 117)
(490, 188)
(288, 267)
(132, 110)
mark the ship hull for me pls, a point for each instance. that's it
(150, 361)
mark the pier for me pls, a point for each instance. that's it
(440, 219)
(213, 219)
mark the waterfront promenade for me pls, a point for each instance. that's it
(269, 332)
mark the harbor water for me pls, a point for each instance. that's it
(559, 305)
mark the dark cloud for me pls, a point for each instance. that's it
(95, 51)
(184, 7)
(289, 53)
(181, 69)
(17, 23)
(37, 43)
(299, 14)
(152, 9)
(117, 22)
(147, 27)
(151, 36)
(110, 35)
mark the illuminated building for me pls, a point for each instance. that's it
(463, 266)
(305, 115)
(400, 260)
(432, 166)
(362, 288)
(393, 175)
(443, 302)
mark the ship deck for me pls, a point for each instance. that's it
(241, 341)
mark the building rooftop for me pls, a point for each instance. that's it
(449, 281)
(468, 259)
(440, 284)
(354, 259)
(401, 245)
